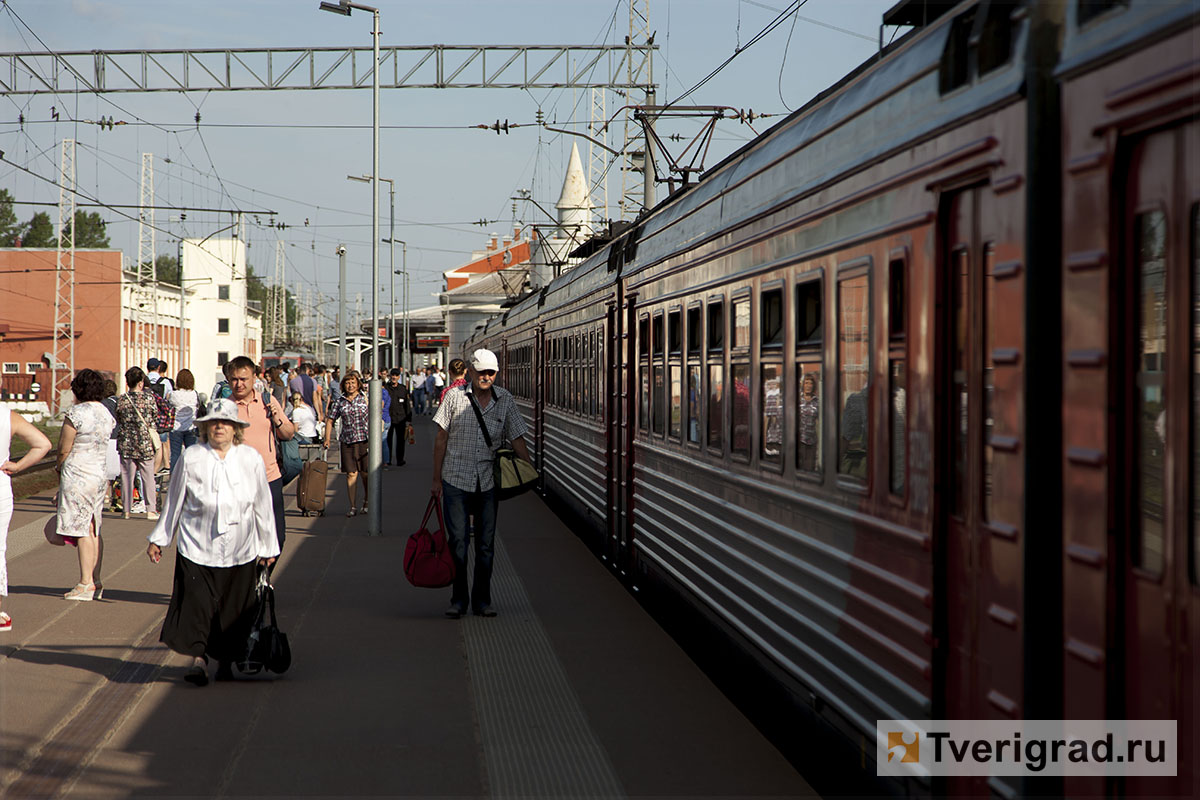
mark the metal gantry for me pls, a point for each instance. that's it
(62, 356)
(636, 190)
(145, 294)
(436, 66)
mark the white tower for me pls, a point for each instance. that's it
(575, 204)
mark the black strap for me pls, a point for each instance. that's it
(479, 416)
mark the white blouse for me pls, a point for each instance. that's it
(221, 508)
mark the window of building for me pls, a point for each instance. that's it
(854, 372)
(222, 359)
(12, 368)
(32, 366)
(222, 325)
(223, 291)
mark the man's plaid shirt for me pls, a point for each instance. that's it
(468, 458)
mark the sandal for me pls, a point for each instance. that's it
(99, 590)
(5, 622)
(82, 591)
(351, 513)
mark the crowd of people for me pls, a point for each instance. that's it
(218, 455)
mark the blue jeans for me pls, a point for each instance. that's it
(180, 440)
(387, 451)
(418, 401)
(457, 504)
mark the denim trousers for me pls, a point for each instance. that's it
(387, 451)
(179, 441)
(458, 505)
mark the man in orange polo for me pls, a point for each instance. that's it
(262, 420)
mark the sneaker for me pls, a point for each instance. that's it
(455, 611)
(485, 611)
(151, 515)
(139, 507)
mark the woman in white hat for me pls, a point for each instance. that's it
(220, 505)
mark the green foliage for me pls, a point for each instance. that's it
(8, 219)
(167, 269)
(90, 230)
(38, 232)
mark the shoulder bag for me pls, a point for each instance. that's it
(511, 474)
(287, 451)
(428, 562)
(266, 646)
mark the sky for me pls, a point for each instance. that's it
(447, 175)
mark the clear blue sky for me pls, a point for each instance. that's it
(445, 178)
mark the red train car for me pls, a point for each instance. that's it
(901, 398)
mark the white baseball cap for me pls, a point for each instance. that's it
(484, 360)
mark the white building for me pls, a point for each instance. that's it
(550, 252)
(219, 322)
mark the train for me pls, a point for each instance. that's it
(903, 397)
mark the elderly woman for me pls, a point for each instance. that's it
(220, 506)
(352, 409)
(137, 440)
(83, 479)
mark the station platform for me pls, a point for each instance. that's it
(572, 691)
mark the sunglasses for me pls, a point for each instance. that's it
(487, 373)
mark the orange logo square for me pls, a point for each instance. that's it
(911, 750)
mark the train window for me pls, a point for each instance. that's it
(897, 416)
(716, 405)
(808, 313)
(1150, 382)
(656, 336)
(644, 337)
(675, 374)
(995, 43)
(716, 325)
(656, 400)
(694, 390)
(808, 417)
(772, 413)
(771, 318)
(674, 335)
(695, 332)
(741, 323)
(955, 68)
(739, 427)
(1088, 10)
(896, 298)
(854, 366)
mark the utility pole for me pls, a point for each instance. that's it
(63, 351)
(146, 336)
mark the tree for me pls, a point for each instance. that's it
(38, 232)
(90, 230)
(8, 220)
(167, 269)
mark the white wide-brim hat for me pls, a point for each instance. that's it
(224, 411)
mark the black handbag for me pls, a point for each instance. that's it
(511, 474)
(266, 646)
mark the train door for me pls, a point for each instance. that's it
(1157, 485)
(622, 397)
(978, 498)
(539, 398)
(612, 430)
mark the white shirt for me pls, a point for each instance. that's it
(305, 420)
(168, 387)
(221, 508)
(185, 402)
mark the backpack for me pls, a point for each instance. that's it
(157, 388)
(164, 417)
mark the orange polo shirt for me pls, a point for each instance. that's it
(258, 433)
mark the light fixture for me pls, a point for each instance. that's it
(337, 8)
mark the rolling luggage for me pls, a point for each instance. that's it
(310, 489)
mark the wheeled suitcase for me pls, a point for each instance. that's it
(310, 489)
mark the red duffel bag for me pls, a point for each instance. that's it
(427, 559)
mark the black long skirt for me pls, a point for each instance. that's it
(211, 609)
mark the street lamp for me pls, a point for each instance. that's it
(392, 252)
(375, 386)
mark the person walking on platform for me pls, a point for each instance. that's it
(263, 424)
(137, 441)
(13, 424)
(418, 392)
(185, 401)
(458, 377)
(354, 412)
(83, 484)
(462, 475)
(401, 415)
(304, 418)
(220, 505)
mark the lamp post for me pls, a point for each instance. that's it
(404, 272)
(375, 386)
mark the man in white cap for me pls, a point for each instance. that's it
(462, 474)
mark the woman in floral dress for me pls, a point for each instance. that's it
(82, 451)
(137, 440)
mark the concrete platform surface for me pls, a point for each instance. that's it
(572, 691)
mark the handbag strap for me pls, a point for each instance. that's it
(153, 429)
(433, 506)
(479, 416)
